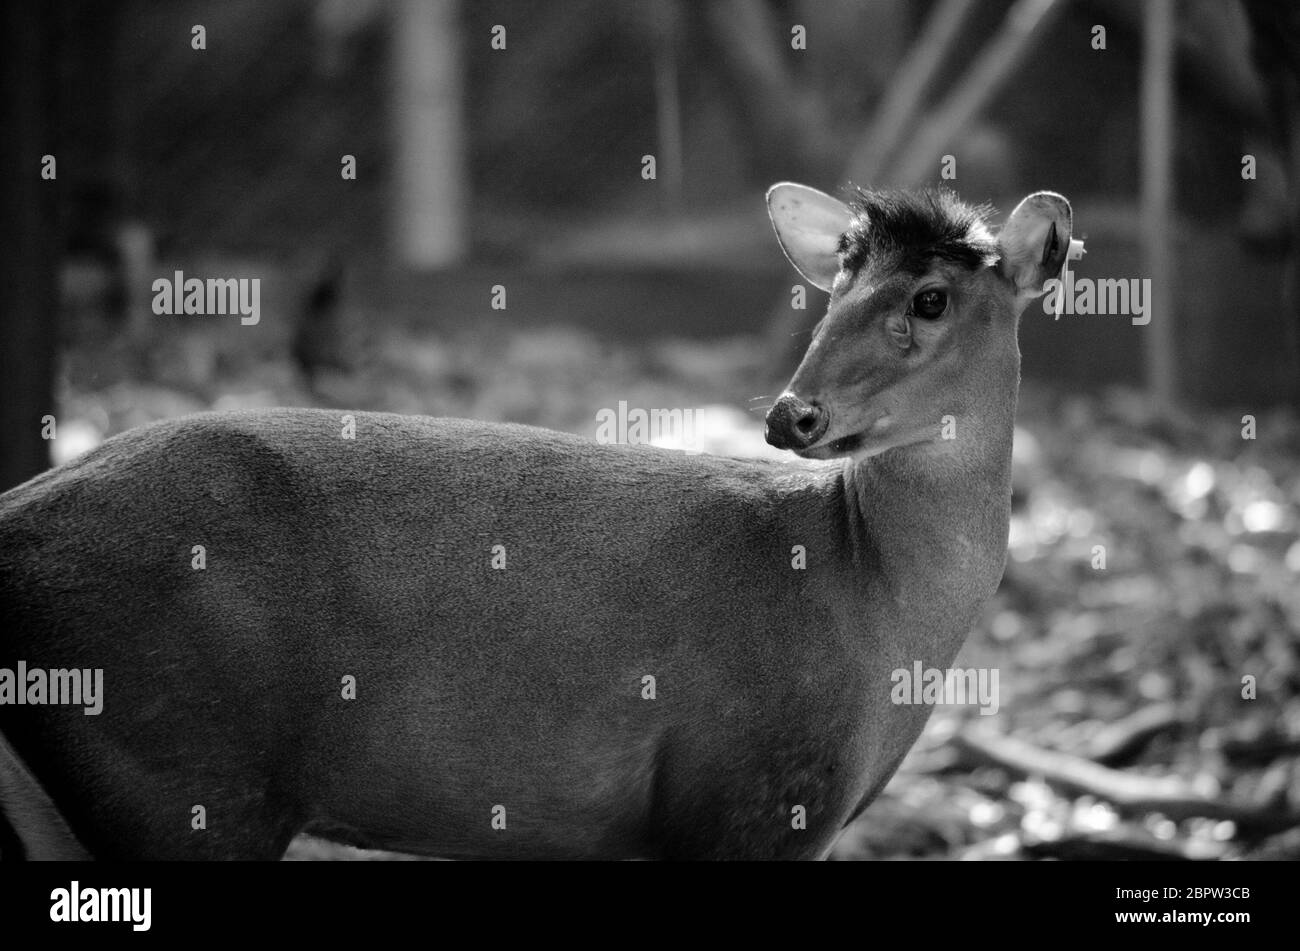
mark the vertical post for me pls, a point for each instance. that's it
(668, 102)
(28, 245)
(430, 187)
(1157, 117)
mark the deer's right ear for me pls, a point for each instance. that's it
(808, 225)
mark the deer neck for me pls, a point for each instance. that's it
(929, 522)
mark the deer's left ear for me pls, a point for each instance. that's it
(1035, 241)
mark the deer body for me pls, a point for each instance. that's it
(498, 711)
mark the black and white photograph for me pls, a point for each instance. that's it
(580, 431)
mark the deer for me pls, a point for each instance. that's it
(477, 640)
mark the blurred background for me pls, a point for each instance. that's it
(531, 211)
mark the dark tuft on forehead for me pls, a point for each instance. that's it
(911, 229)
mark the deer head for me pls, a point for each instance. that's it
(921, 324)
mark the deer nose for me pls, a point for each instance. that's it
(794, 424)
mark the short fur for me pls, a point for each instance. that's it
(916, 228)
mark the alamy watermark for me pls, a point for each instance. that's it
(57, 687)
(1084, 296)
(215, 296)
(955, 685)
(636, 426)
(76, 903)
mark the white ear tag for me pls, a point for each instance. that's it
(1074, 253)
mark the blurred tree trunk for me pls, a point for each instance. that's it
(431, 188)
(788, 119)
(1275, 51)
(27, 246)
(986, 76)
(665, 33)
(1158, 116)
(857, 50)
(905, 94)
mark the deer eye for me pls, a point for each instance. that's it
(930, 304)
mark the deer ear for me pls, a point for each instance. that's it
(808, 225)
(1035, 241)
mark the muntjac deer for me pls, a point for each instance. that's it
(473, 640)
